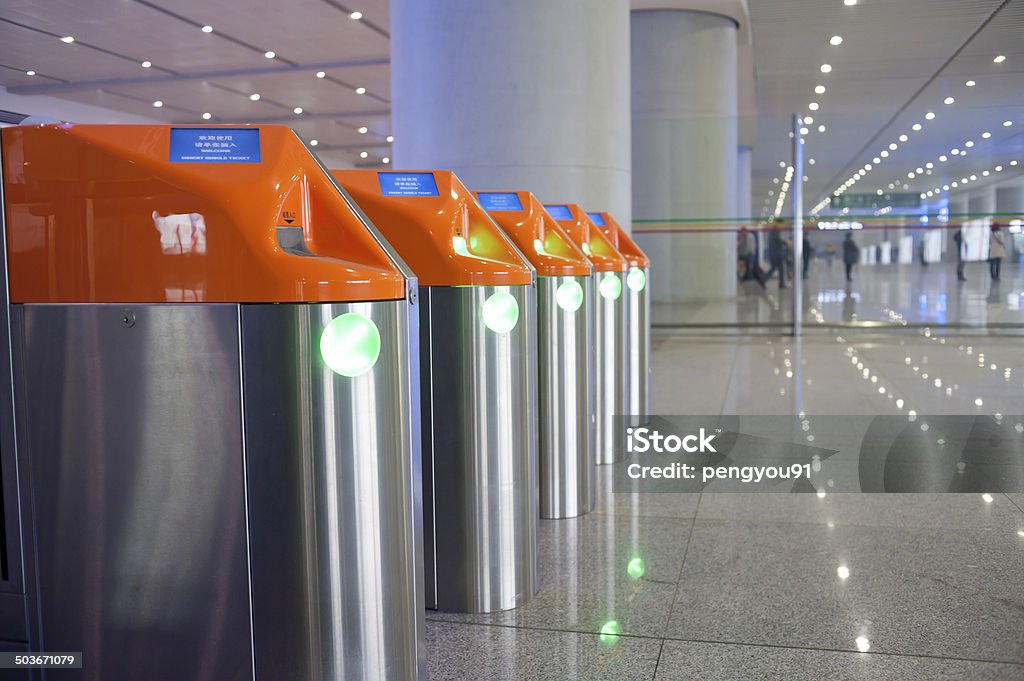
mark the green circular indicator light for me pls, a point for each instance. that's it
(350, 344)
(635, 568)
(610, 287)
(636, 280)
(501, 312)
(569, 296)
(610, 631)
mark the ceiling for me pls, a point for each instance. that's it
(898, 60)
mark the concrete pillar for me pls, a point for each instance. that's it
(1010, 205)
(743, 176)
(684, 94)
(981, 203)
(531, 94)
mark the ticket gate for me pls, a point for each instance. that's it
(478, 360)
(564, 363)
(608, 327)
(215, 462)
(638, 316)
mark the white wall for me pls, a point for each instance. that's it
(66, 110)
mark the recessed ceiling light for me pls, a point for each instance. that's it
(903, 138)
(985, 135)
(207, 29)
(813, 106)
(297, 110)
(30, 73)
(270, 54)
(385, 160)
(157, 104)
(390, 138)
(929, 165)
(955, 152)
(849, 3)
(970, 83)
(893, 146)
(808, 120)
(804, 131)
(879, 192)
(1013, 163)
(363, 130)
(835, 40)
(969, 143)
(821, 128)
(876, 160)
(782, 164)
(363, 154)
(819, 89)
(355, 16)
(207, 116)
(930, 116)
(985, 173)
(884, 153)
(68, 39)
(1007, 124)
(321, 74)
(954, 185)
(360, 91)
(146, 64)
(999, 59)
(915, 127)
(255, 96)
(910, 175)
(943, 158)
(775, 180)
(826, 68)
(811, 161)
(313, 143)
(948, 100)
(999, 169)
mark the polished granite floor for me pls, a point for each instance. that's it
(779, 586)
(888, 294)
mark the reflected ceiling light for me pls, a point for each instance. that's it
(157, 104)
(389, 138)
(207, 29)
(863, 644)
(1007, 124)
(146, 64)
(363, 130)
(68, 39)
(385, 160)
(30, 73)
(948, 100)
(835, 40)
(360, 91)
(849, 3)
(821, 128)
(915, 127)
(313, 143)
(813, 106)
(207, 115)
(270, 54)
(903, 138)
(255, 96)
(321, 74)
(355, 16)
(970, 83)
(985, 135)
(297, 110)
(826, 68)
(999, 59)
(819, 89)
(930, 116)
(363, 154)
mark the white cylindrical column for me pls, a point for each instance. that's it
(744, 173)
(684, 94)
(525, 95)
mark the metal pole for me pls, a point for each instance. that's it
(798, 224)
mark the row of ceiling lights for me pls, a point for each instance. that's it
(893, 146)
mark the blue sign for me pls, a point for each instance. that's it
(499, 201)
(560, 212)
(215, 145)
(596, 219)
(407, 184)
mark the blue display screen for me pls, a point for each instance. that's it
(596, 219)
(560, 212)
(499, 201)
(215, 145)
(407, 184)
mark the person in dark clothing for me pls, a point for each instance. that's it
(996, 251)
(808, 254)
(958, 239)
(851, 254)
(776, 257)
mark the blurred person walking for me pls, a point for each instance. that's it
(776, 257)
(996, 251)
(851, 254)
(961, 247)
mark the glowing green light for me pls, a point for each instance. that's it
(569, 296)
(636, 280)
(459, 244)
(635, 568)
(610, 631)
(610, 286)
(501, 312)
(350, 344)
